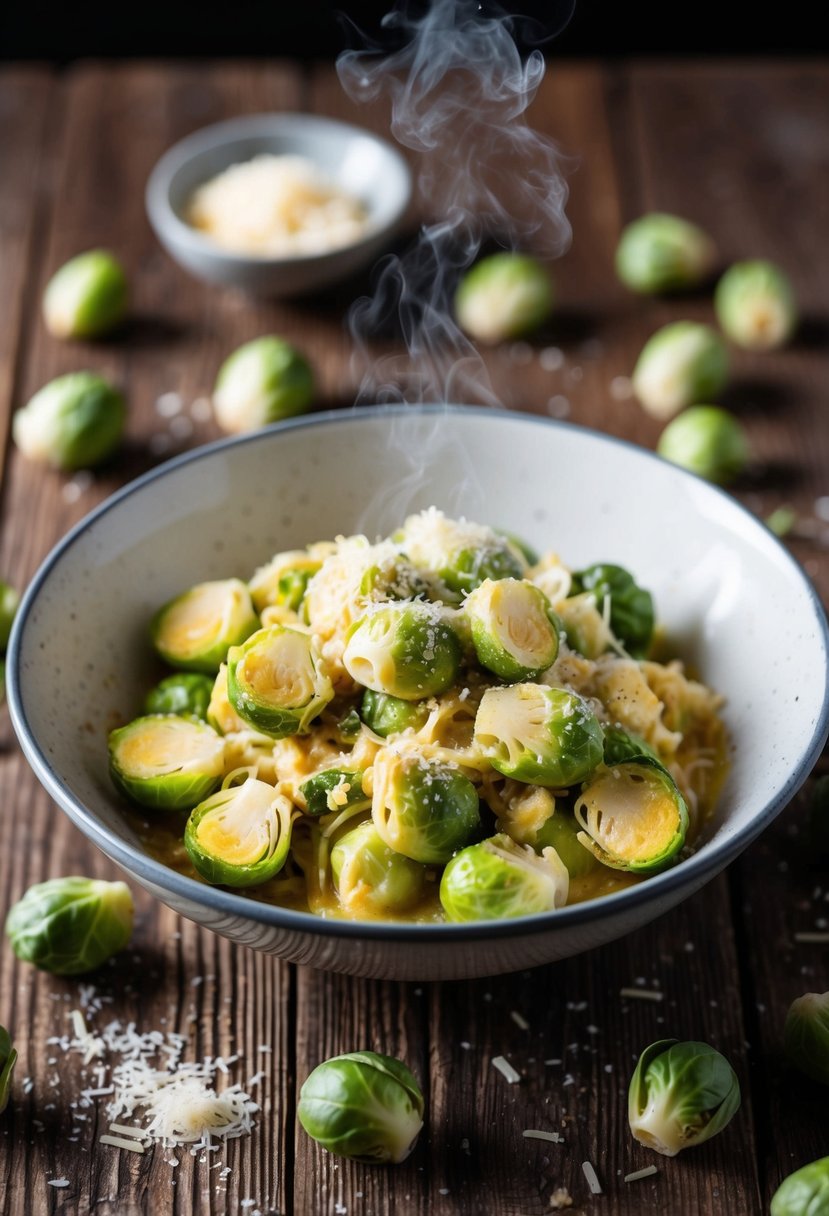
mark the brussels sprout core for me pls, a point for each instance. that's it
(682, 363)
(498, 879)
(546, 736)
(371, 878)
(8, 1059)
(803, 1193)
(364, 1106)
(275, 682)
(74, 422)
(514, 630)
(660, 252)
(195, 630)
(504, 296)
(680, 1095)
(707, 440)
(87, 297)
(422, 809)
(165, 761)
(71, 925)
(241, 835)
(406, 650)
(633, 816)
(261, 382)
(755, 305)
(806, 1035)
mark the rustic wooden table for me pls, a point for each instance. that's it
(742, 148)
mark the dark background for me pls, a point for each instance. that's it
(309, 29)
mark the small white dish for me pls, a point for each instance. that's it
(362, 164)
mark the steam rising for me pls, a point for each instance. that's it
(459, 91)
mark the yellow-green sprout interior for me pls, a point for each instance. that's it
(279, 671)
(509, 720)
(521, 623)
(243, 827)
(631, 812)
(169, 745)
(192, 624)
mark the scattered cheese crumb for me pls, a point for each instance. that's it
(642, 994)
(59, 1182)
(561, 1198)
(621, 388)
(592, 1178)
(553, 1137)
(519, 1019)
(647, 1172)
(551, 358)
(132, 1146)
(506, 1069)
(168, 405)
(811, 937)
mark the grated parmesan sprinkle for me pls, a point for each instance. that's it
(132, 1146)
(519, 1019)
(592, 1178)
(532, 1134)
(59, 1182)
(642, 994)
(811, 937)
(506, 1069)
(647, 1172)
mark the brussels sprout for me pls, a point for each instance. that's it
(682, 363)
(634, 817)
(498, 879)
(87, 297)
(545, 736)
(9, 602)
(406, 650)
(195, 630)
(507, 295)
(364, 1106)
(275, 681)
(371, 878)
(621, 745)
(806, 1035)
(561, 833)
(350, 726)
(631, 607)
(166, 762)
(387, 715)
(73, 422)
(803, 1193)
(240, 836)
(514, 630)
(660, 252)
(819, 819)
(422, 809)
(71, 925)
(334, 789)
(8, 1059)
(755, 305)
(707, 440)
(284, 579)
(458, 552)
(680, 1095)
(185, 692)
(261, 382)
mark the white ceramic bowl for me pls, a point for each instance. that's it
(364, 165)
(733, 601)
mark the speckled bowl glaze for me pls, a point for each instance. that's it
(367, 167)
(733, 602)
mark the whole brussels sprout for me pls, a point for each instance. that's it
(707, 440)
(514, 630)
(87, 297)
(541, 735)
(387, 715)
(261, 382)
(407, 650)
(632, 816)
(371, 878)
(460, 553)
(74, 422)
(275, 681)
(9, 603)
(334, 789)
(755, 305)
(680, 1095)
(166, 762)
(8, 1059)
(364, 1106)
(69, 926)
(422, 809)
(681, 364)
(803, 1193)
(499, 879)
(506, 295)
(806, 1035)
(660, 252)
(241, 835)
(631, 606)
(195, 630)
(185, 692)
(561, 832)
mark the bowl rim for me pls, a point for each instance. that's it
(692, 873)
(169, 225)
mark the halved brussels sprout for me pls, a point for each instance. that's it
(335, 789)
(422, 809)
(506, 295)
(165, 761)
(8, 1059)
(387, 715)
(680, 1095)
(69, 926)
(284, 579)
(370, 877)
(498, 879)
(708, 440)
(806, 1035)
(240, 836)
(681, 364)
(87, 297)
(186, 692)
(803, 1193)
(406, 650)
(541, 735)
(73, 422)
(561, 833)
(633, 816)
(275, 681)
(755, 305)
(195, 630)
(261, 382)
(514, 630)
(458, 552)
(660, 252)
(631, 606)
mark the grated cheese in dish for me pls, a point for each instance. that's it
(276, 206)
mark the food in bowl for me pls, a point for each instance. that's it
(437, 726)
